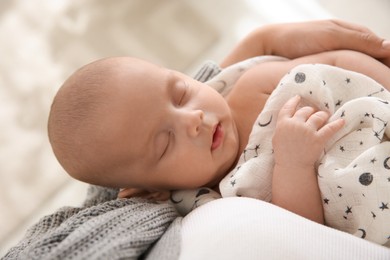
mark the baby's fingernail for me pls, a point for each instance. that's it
(386, 44)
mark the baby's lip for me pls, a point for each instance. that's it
(217, 136)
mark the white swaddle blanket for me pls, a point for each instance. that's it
(353, 172)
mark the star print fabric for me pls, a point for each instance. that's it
(222, 81)
(354, 170)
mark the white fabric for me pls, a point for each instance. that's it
(354, 172)
(354, 175)
(223, 82)
(245, 228)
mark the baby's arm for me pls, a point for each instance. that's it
(298, 141)
(270, 73)
(301, 134)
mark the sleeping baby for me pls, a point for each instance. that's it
(314, 142)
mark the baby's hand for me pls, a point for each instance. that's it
(141, 193)
(301, 134)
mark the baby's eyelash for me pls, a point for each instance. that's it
(167, 146)
(184, 93)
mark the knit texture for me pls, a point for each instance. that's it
(104, 228)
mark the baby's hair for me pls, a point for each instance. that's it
(74, 117)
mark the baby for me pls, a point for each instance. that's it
(124, 122)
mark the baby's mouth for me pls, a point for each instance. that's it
(217, 137)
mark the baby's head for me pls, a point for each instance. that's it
(123, 122)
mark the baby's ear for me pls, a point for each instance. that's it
(153, 195)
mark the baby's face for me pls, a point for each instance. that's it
(166, 130)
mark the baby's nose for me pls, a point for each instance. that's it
(194, 121)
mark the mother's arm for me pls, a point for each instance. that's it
(293, 40)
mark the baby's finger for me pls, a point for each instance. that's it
(331, 128)
(304, 113)
(289, 108)
(318, 119)
(131, 192)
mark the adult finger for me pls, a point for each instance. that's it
(351, 26)
(359, 38)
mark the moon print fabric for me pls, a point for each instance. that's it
(354, 170)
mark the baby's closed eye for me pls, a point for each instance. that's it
(183, 93)
(167, 144)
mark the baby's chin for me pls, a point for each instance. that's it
(232, 159)
(223, 171)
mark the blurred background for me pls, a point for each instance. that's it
(43, 41)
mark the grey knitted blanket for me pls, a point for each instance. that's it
(106, 227)
(103, 228)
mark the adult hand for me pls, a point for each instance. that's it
(300, 39)
(293, 40)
